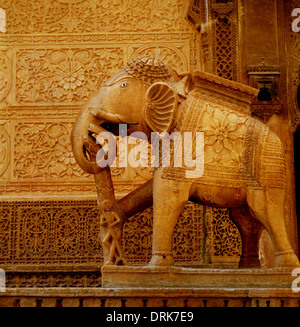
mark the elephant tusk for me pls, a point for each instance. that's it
(96, 129)
(103, 115)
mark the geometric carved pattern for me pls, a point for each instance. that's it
(217, 22)
(223, 48)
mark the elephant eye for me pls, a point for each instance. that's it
(124, 84)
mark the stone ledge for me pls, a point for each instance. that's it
(135, 277)
(87, 292)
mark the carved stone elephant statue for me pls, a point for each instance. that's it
(244, 162)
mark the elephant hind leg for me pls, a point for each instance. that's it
(267, 206)
(250, 230)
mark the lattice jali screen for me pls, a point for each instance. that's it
(67, 232)
(60, 232)
(188, 236)
(217, 22)
(224, 26)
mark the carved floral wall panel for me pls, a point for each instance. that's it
(53, 56)
(93, 16)
(63, 75)
(5, 74)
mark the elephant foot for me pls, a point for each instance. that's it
(160, 259)
(249, 261)
(286, 259)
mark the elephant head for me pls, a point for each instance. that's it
(144, 95)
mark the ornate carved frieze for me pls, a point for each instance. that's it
(66, 232)
(90, 16)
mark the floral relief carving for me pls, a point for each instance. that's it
(225, 136)
(34, 232)
(5, 77)
(4, 148)
(44, 151)
(53, 232)
(226, 237)
(63, 75)
(67, 238)
(74, 16)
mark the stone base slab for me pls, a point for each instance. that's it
(178, 277)
(149, 297)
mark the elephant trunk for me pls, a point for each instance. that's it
(83, 140)
(85, 148)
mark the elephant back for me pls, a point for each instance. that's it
(239, 151)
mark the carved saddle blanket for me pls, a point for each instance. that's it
(239, 151)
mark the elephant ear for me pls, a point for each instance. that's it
(162, 100)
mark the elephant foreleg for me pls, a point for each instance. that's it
(169, 197)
